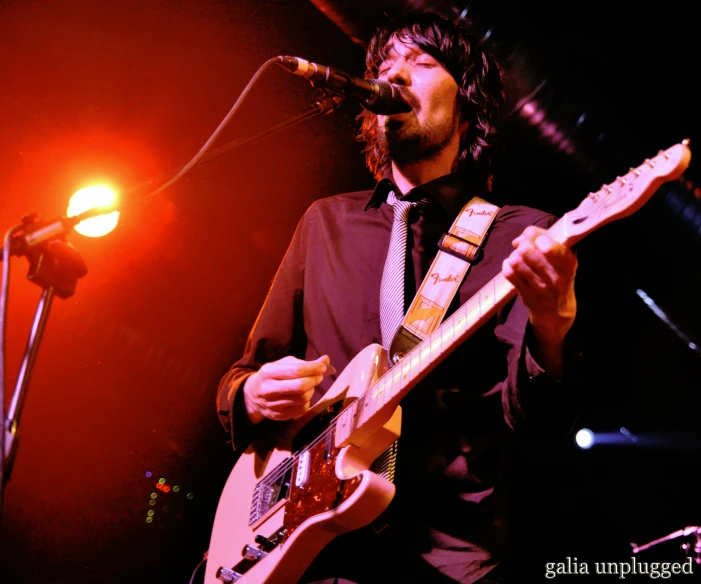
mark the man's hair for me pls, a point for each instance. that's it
(480, 89)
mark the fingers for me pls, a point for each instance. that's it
(542, 270)
(287, 409)
(293, 368)
(289, 388)
(550, 262)
(283, 389)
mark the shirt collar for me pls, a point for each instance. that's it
(455, 187)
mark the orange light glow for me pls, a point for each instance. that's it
(90, 198)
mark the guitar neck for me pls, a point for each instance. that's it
(384, 395)
(391, 388)
(618, 199)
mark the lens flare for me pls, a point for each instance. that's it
(90, 198)
(584, 438)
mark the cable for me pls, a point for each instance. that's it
(8, 246)
(197, 567)
(219, 129)
(321, 106)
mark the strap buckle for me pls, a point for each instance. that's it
(460, 248)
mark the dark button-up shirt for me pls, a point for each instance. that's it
(448, 513)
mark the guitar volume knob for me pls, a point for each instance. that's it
(227, 575)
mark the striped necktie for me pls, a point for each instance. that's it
(392, 286)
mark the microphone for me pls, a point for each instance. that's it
(378, 97)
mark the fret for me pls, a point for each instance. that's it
(343, 427)
(480, 299)
(388, 385)
(486, 296)
(486, 301)
(425, 349)
(339, 428)
(472, 312)
(350, 417)
(372, 392)
(360, 413)
(557, 230)
(502, 285)
(415, 357)
(460, 321)
(372, 406)
(380, 392)
(405, 365)
(446, 334)
(435, 339)
(396, 380)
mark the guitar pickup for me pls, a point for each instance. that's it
(273, 488)
(302, 474)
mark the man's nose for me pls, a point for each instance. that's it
(399, 73)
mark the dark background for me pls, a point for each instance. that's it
(128, 91)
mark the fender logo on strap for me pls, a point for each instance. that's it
(437, 278)
(471, 212)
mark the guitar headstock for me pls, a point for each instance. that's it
(627, 193)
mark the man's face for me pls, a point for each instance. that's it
(425, 83)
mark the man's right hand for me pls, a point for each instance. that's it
(283, 389)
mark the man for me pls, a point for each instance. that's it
(447, 521)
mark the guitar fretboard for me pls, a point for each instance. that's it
(391, 387)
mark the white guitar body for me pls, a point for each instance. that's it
(293, 491)
(319, 521)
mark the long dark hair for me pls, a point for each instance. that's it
(480, 89)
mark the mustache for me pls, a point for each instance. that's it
(408, 96)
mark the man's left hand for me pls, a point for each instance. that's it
(543, 271)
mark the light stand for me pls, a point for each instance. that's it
(56, 266)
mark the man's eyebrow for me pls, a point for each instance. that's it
(391, 53)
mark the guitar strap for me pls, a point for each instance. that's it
(458, 249)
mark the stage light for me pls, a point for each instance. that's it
(584, 438)
(90, 198)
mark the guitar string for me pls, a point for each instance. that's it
(285, 466)
(281, 470)
(556, 227)
(490, 286)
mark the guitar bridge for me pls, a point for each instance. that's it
(274, 487)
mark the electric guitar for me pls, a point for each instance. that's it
(292, 492)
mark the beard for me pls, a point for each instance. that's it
(407, 142)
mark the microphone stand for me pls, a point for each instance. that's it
(56, 266)
(692, 529)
